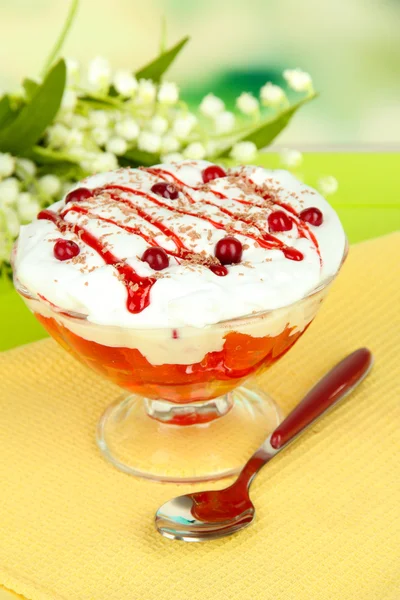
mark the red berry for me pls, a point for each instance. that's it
(312, 215)
(229, 250)
(65, 249)
(279, 221)
(213, 172)
(156, 258)
(78, 195)
(165, 189)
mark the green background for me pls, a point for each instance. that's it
(368, 203)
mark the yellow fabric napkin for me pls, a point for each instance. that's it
(74, 528)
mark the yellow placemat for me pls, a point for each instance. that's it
(73, 528)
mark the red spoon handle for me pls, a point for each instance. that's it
(329, 390)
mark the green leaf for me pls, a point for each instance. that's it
(6, 113)
(263, 134)
(33, 118)
(100, 101)
(136, 157)
(155, 69)
(55, 162)
(46, 156)
(30, 87)
(63, 170)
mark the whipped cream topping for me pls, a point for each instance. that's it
(125, 217)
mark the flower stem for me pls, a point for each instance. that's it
(163, 40)
(61, 38)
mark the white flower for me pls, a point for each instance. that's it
(99, 162)
(12, 221)
(64, 117)
(183, 125)
(78, 153)
(50, 185)
(69, 99)
(67, 187)
(272, 95)
(146, 93)
(73, 72)
(57, 135)
(224, 122)
(99, 118)
(195, 151)
(74, 138)
(87, 161)
(328, 185)
(169, 143)
(27, 166)
(79, 122)
(211, 105)
(149, 142)
(172, 157)
(298, 80)
(247, 103)
(158, 124)
(291, 158)
(105, 161)
(212, 146)
(125, 83)
(99, 74)
(9, 189)
(7, 165)
(117, 145)
(168, 93)
(5, 248)
(27, 206)
(244, 152)
(127, 129)
(100, 135)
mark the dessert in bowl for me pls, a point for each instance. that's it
(179, 282)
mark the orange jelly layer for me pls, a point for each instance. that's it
(217, 374)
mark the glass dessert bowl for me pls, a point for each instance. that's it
(189, 412)
(189, 416)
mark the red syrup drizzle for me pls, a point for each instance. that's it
(303, 228)
(138, 288)
(182, 252)
(266, 240)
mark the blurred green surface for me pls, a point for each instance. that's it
(368, 203)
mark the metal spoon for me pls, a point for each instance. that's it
(218, 513)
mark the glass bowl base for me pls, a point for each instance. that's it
(203, 441)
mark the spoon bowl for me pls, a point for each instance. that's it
(205, 515)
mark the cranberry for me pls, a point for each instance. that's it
(165, 189)
(78, 195)
(156, 258)
(65, 249)
(279, 221)
(293, 254)
(213, 172)
(229, 250)
(312, 215)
